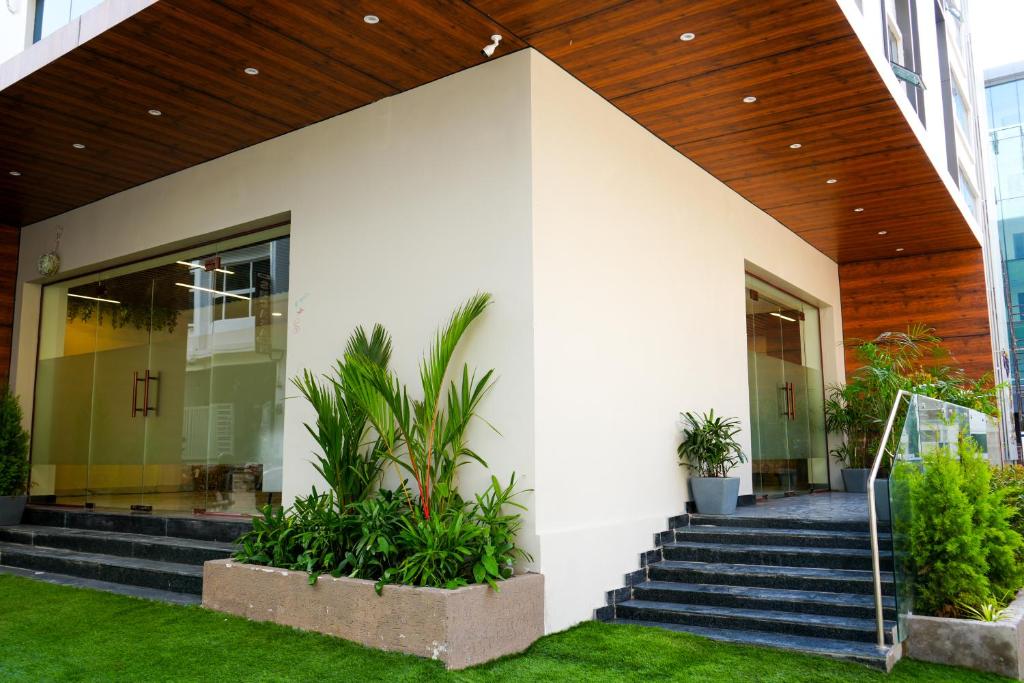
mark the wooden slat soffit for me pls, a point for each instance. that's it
(814, 83)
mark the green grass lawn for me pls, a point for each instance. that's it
(56, 633)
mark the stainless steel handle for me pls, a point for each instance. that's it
(135, 393)
(154, 408)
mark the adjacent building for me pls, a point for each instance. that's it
(676, 205)
(1004, 88)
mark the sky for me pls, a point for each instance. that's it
(998, 30)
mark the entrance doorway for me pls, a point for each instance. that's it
(789, 451)
(162, 384)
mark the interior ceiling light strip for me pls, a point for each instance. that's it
(93, 298)
(213, 291)
(200, 265)
(784, 317)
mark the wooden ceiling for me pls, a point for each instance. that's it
(814, 84)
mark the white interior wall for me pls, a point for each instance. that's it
(639, 308)
(399, 210)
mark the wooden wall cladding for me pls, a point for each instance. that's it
(9, 240)
(945, 290)
(815, 85)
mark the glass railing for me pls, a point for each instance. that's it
(923, 425)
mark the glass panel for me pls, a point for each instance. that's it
(245, 337)
(788, 447)
(62, 416)
(52, 14)
(122, 355)
(927, 424)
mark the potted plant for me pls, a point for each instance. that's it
(13, 460)
(709, 448)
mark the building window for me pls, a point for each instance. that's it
(969, 194)
(962, 110)
(52, 14)
(900, 26)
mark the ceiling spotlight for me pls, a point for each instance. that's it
(251, 70)
(371, 19)
(489, 50)
(883, 232)
(899, 248)
(78, 145)
(15, 173)
(750, 99)
(859, 209)
(831, 181)
(795, 145)
(155, 112)
(687, 37)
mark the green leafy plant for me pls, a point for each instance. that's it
(425, 437)
(709, 445)
(14, 468)
(961, 548)
(349, 461)
(913, 361)
(1010, 480)
(985, 611)
(375, 528)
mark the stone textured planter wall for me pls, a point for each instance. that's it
(986, 646)
(460, 627)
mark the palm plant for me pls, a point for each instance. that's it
(350, 461)
(425, 437)
(709, 444)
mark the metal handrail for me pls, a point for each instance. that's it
(876, 563)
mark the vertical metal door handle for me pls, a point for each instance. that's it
(135, 393)
(145, 397)
(791, 401)
(155, 408)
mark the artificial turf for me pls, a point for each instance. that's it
(57, 633)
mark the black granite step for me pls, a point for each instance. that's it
(856, 606)
(205, 528)
(771, 621)
(168, 576)
(806, 538)
(781, 522)
(773, 555)
(797, 578)
(105, 586)
(160, 548)
(861, 653)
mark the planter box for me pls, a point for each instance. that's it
(460, 627)
(986, 646)
(715, 495)
(11, 509)
(855, 479)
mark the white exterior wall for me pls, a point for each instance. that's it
(617, 267)
(15, 23)
(400, 211)
(639, 308)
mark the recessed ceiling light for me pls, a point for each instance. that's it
(251, 70)
(831, 181)
(155, 112)
(859, 209)
(795, 145)
(78, 145)
(899, 248)
(750, 99)
(687, 37)
(277, 314)
(371, 19)
(15, 172)
(883, 232)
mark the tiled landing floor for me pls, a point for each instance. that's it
(819, 506)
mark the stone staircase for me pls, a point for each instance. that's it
(143, 555)
(802, 585)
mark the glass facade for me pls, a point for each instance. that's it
(52, 14)
(1006, 116)
(162, 384)
(787, 408)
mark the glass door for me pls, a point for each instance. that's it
(786, 392)
(162, 384)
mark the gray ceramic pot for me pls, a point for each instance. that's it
(855, 479)
(715, 495)
(882, 500)
(11, 509)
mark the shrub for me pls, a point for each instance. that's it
(1010, 480)
(962, 550)
(14, 468)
